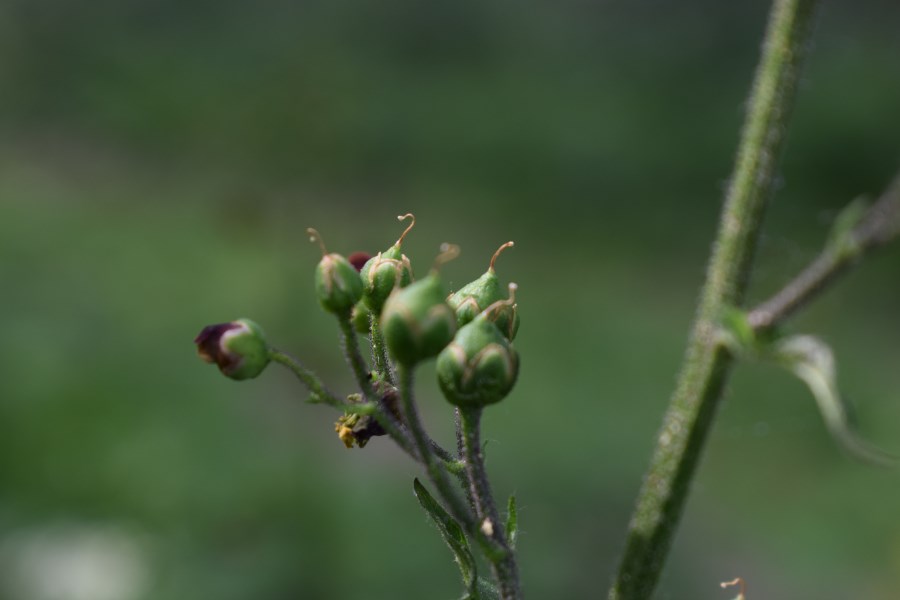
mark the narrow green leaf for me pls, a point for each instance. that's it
(454, 537)
(512, 522)
(812, 360)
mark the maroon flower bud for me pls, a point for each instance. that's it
(359, 259)
(238, 348)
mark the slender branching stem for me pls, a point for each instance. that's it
(307, 377)
(706, 364)
(504, 566)
(355, 358)
(383, 416)
(485, 508)
(373, 406)
(361, 373)
(379, 352)
(878, 226)
(457, 422)
(451, 462)
(460, 452)
(424, 448)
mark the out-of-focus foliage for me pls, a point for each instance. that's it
(159, 162)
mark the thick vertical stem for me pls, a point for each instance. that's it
(706, 364)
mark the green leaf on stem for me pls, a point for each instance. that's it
(454, 537)
(811, 360)
(512, 522)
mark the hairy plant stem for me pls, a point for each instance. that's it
(307, 377)
(504, 566)
(383, 416)
(706, 365)
(460, 452)
(379, 352)
(425, 451)
(354, 357)
(373, 406)
(878, 226)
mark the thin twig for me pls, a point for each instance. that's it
(322, 394)
(460, 452)
(355, 359)
(379, 352)
(879, 225)
(307, 377)
(706, 364)
(383, 416)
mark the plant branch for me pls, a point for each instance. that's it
(460, 452)
(379, 352)
(383, 416)
(706, 364)
(355, 359)
(373, 406)
(424, 448)
(879, 225)
(504, 566)
(307, 377)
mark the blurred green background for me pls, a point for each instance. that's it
(159, 161)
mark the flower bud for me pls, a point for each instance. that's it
(479, 367)
(239, 348)
(474, 297)
(385, 271)
(417, 322)
(358, 259)
(338, 284)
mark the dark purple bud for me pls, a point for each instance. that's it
(359, 259)
(238, 348)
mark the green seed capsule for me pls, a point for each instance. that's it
(338, 284)
(417, 322)
(385, 271)
(474, 297)
(480, 366)
(238, 348)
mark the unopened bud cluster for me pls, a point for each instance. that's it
(470, 331)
